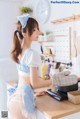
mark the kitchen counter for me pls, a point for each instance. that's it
(55, 109)
(52, 108)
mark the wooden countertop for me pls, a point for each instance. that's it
(55, 109)
(52, 108)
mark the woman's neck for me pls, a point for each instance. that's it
(26, 44)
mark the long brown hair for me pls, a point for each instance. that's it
(18, 37)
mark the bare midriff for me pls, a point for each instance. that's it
(24, 80)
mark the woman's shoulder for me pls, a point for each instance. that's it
(34, 52)
(34, 59)
(31, 51)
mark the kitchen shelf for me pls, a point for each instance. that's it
(41, 41)
(49, 46)
(45, 41)
(67, 19)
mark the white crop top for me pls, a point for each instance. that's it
(31, 58)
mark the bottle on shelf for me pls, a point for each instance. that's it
(43, 70)
(47, 72)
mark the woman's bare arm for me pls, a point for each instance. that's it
(35, 81)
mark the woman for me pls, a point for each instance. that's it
(21, 104)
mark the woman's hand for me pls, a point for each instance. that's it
(42, 93)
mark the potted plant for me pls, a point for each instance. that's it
(48, 35)
(48, 32)
(24, 10)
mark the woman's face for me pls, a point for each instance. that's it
(35, 34)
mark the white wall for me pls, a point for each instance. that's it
(9, 9)
(57, 11)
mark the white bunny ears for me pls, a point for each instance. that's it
(23, 19)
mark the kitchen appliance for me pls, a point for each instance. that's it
(63, 82)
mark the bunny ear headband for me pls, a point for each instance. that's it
(23, 19)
